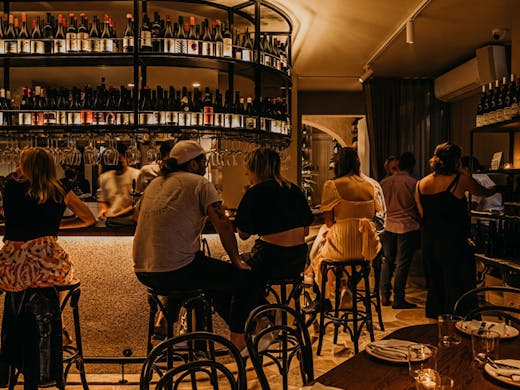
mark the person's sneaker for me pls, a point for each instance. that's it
(403, 305)
(385, 301)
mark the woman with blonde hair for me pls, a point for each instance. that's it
(34, 201)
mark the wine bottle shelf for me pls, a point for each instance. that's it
(505, 126)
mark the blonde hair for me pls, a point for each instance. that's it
(38, 168)
(264, 163)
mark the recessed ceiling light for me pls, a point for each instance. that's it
(196, 85)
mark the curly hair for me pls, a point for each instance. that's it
(446, 159)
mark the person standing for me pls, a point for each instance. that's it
(448, 257)
(166, 249)
(402, 232)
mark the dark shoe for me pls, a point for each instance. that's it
(403, 305)
(385, 301)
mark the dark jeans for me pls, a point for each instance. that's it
(234, 291)
(398, 254)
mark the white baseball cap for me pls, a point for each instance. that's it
(184, 151)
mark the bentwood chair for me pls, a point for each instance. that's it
(288, 339)
(195, 356)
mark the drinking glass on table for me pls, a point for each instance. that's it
(484, 344)
(427, 379)
(421, 357)
(448, 334)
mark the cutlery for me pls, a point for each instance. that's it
(497, 365)
(481, 329)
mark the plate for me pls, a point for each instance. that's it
(467, 326)
(372, 350)
(492, 372)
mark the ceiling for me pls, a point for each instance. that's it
(334, 39)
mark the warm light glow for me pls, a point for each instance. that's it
(195, 85)
(410, 32)
(508, 165)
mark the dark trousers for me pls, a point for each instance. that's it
(234, 291)
(398, 254)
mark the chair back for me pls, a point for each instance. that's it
(191, 357)
(473, 304)
(289, 337)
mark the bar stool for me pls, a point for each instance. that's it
(170, 302)
(290, 289)
(375, 296)
(352, 320)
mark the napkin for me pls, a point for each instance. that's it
(319, 386)
(513, 373)
(392, 348)
(498, 327)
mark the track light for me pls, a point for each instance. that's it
(365, 76)
(410, 32)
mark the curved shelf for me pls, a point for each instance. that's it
(69, 59)
(505, 126)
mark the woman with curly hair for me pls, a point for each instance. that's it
(448, 257)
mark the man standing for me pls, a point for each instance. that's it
(166, 250)
(401, 236)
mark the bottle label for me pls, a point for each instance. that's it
(128, 44)
(228, 47)
(177, 46)
(247, 55)
(85, 45)
(25, 46)
(250, 122)
(72, 42)
(37, 47)
(169, 45)
(181, 118)
(196, 119)
(107, 45)
(173, 118)
(143, 118)
(163, 117)
(125, 118)
(209, 118)
(237, 121)
(219, 49)
(11, 47)
(228, 120)
(49, 118)
(267, 60)
(101, 118)
(207, 48)
(238, 53)
(96, 45)
(70, 118)
(146, 39)
(2, 48)
(193, 46)
(60, 46)
(76, 118)
(219, 119)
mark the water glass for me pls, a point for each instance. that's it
(427, 379)
(448, 334)
(421, 357)
(446, 383)
(485, 344)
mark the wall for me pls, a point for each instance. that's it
(330, 103)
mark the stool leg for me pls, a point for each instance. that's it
(324, 270)
(368, 302)
(376, 265)
(337, 302)
(353, 289)
(151, 321)
(80, 364)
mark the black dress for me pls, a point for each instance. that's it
(448, 258)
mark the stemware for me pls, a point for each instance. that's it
(91, 153)
(110, 154)
(133, 154)
(153, 153)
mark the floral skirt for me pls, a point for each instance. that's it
(41, 262)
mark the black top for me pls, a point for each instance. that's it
(269, 208)
(25, 219)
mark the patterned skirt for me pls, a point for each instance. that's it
(41, 262)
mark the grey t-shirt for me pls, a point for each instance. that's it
(172, 215)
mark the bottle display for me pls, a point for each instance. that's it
(498, 102)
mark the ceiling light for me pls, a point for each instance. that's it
(365, 76)
(195, 85)
(410, 32)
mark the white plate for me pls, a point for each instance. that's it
(511, 331)
(491, 372)
(388, 343)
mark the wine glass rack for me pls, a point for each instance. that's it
(250, 11)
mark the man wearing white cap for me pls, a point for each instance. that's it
(166, 249)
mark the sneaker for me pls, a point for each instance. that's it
(403, 305)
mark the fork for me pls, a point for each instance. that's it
(482, 327)
(497, 365)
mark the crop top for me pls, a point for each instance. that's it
(25, 219)
(269, 208)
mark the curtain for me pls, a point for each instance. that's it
(403, 116)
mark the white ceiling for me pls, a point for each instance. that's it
(334, 39)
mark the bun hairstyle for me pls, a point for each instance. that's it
(446, 159)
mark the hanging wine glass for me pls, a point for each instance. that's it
(91, 153)
(110, 154)
(72, 155)
(153, 153)
(133, 154)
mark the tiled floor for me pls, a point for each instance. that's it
(330, 357)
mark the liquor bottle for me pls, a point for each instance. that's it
(238, 45)
(86, 104)
(100, 102)
(169, 41)
(83, 35)
(111, 106)
(50, 115)
(283, 57)
(146, 35)
(276, 54)
(24, 42)
(24, 106)
(61, 106)
(250, 114)
(207, 42)
(266, 51)
(128, 36)
(480, 107)
(184, 114)
(196, 109)
(10, 42)
(171, 111)
(228, 110)
(193, 39)
(227, 41)
(511, 102)
(48, 34)
(145, 105)
(219, 40)
(156, 32)
(95, 40)
(37, 45)
(219, 110)
(107, 44)
(116, 46)
(208, 109)
(247, 50)
(60, 41)
(71, 36)
(488, 106)
(181, 43)
(237, 120)
(2, 44)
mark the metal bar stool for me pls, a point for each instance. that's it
(375, 296)
(352, 320)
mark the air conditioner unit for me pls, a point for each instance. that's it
(489, 65)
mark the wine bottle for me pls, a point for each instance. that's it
(514, 92)
(218, 110)
(49, 115)
(228, 110)
(247, 50)
(10, 42)
(128, 36)
(227, 41)
(60, 41)
(24, 42)
(196, 109)
(156, 32)
(146, 34)
(237, 120)
(207, 43)
(181, 43)
(95, 40)
(250, 114)
(48, 35)
(107, 44)
(83, 35)
(24, 100)
(37, 46)
(219, 40)
(71, 36)
(86, 104)
(480, 106)
(184, 114)
(238, 45)
(61, 106)
(193, 39)
(208, 109)
(2, 43)
(171, 114)
(169, 41)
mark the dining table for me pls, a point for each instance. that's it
(365, 372)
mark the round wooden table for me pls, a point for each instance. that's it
(365, 372)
